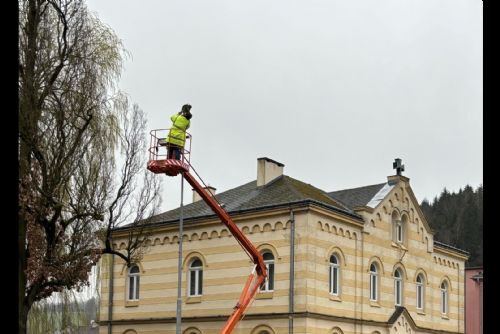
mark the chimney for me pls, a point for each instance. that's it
(197, 197)
(268, 170)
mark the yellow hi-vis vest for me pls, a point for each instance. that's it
(177, 134)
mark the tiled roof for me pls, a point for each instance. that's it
(283, 190)
(354, 197)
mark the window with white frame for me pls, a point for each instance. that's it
(420, 292)
(398, 227)
(133, 283)
(444, 297)
(334, 275)
(196, 278)
(373, 282)
(399, 231)
(268, 284)
(398, 288)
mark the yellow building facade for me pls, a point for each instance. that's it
(359, 260)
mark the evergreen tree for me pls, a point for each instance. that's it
(457, 220)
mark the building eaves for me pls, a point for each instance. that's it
(458, 250)
(294, 204)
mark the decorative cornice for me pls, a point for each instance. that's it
(279, 315)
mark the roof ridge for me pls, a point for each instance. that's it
(321, 191)
(370, 185)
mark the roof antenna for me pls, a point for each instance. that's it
(398, 166)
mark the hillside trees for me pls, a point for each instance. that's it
(457, 219)
(75, 130)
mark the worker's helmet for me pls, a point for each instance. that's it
(186, 111)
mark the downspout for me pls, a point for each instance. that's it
(356, 256)
(362, 280)
(292, 273)
(110, 292)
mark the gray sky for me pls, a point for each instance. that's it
(335, 90)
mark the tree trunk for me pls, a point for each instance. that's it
(28, 117)
(22, 311)
(23, 315)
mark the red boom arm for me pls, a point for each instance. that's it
(252, 284)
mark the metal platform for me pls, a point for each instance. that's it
(170, 167)
(158, 158)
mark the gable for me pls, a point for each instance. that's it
(398, 195)
(401, 322)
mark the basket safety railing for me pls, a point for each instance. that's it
(158, 146)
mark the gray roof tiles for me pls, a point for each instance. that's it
(280, 191)
(354, 197)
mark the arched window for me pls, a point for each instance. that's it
(420, 292)
(398, 288)
(196, 278)
(262, 329)
(268, 284)
(334, 275)
(373, 282)
(398, 228)
(192, 330)
(133, 283)
(444, 297)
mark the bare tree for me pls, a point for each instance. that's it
(132, 206)
(72, 125)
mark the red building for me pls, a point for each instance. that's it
(474, 300)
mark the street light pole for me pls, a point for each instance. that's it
(178, 320)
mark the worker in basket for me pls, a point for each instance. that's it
(177, 135)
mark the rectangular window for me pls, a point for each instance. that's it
(200, 280)
(268, 284)
(398, 292)
(335, 281)
(195, 282)
(399, 229)
(444, 303)
(192, 283)
(271, 276)
(330, 279)
(131, 288)
(373, 288)
(137, 287)
(420, 297)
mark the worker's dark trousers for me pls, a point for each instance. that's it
(174, 152)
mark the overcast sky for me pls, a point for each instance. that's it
(334, 90)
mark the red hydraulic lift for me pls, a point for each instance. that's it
(159, 164)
